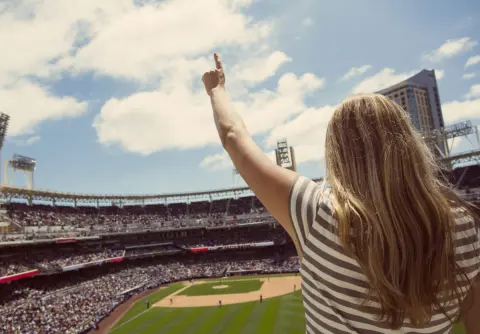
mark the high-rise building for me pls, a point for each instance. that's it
(418, 96)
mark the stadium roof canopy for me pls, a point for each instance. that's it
(9, 192)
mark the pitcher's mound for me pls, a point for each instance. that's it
(220, 287)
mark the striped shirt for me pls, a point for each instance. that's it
(333, 283)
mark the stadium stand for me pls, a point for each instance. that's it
(65, 268)
(48, 221)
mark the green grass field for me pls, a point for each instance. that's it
(205, 289)
(278, 315)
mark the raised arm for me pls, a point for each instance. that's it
(270, 183)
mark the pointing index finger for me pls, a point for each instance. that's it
(218, 63)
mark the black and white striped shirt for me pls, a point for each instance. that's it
(333, 284)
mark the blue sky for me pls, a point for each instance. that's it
(107, 97)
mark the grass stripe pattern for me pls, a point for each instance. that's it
(278, 315)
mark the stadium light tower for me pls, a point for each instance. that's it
(285, 155)
(21, 163)
(449, 134)
(4, 120)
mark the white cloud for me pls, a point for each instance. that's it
(456, 111)
(32, 140)
(355, 72)
(217, 162)
(255, 70)
(161, 39)
(167, 44)
(450, 48)
(147, 122)
(221, 161)
(473, 93)
(179, 119)
(468, 76)
(380, 80)
(157, 44)
(306, 133)
(454, 144)
(266, 109)
(36, 36)
(307, 22)
(28, 104)
(24, 141)
(39, 35)
(439, 74)
(472, 61)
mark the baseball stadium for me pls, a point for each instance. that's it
(205, 262)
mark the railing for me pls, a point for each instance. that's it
(472, 197)
(15, 238)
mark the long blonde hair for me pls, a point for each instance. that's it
(395, 214)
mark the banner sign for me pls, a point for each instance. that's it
(116, 259)
(199, 249)
(15, 277)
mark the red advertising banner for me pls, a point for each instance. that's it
(116, 259)
(199, 249)
(15, 277)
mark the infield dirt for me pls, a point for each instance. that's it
(275, 286)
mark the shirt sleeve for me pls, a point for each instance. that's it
(305, 199)
(467, 241)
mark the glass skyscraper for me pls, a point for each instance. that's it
(419, 97)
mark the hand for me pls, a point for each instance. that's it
(216, 78)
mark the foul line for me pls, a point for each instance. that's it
(128, 321)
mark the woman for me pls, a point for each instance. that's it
(386, 247)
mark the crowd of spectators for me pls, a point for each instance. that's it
(275, 235)
(55, 258)
(45, 222)
(266, 266)
(75, 304)
(44, 235)
(8, 267)
(18, 263)
(163, 249)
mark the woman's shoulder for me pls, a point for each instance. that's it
(319, 189)
(465, 222)
(467, 241)
(326, 195)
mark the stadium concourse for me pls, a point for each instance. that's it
(67, 265)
